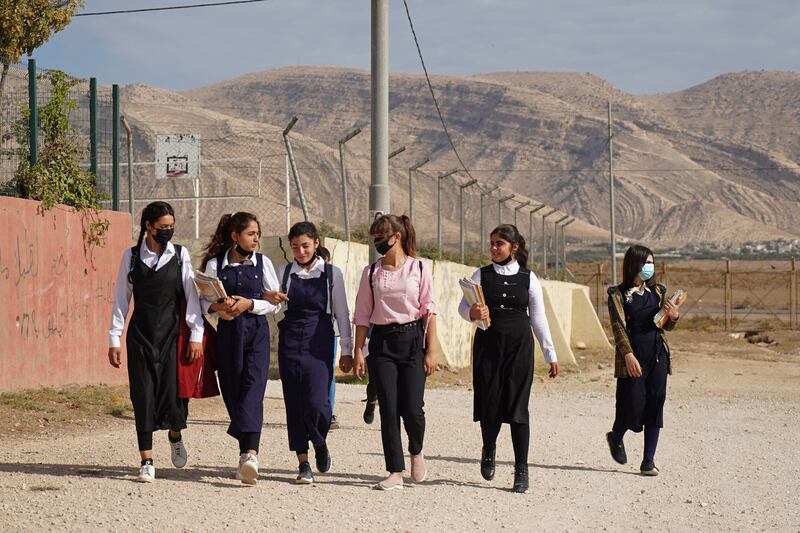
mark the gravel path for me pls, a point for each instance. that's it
(728, 458)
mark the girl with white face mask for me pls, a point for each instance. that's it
(642, 360)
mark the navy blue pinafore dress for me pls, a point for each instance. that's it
(305, 357)
(243, 350)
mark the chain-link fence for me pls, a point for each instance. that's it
(15, 106)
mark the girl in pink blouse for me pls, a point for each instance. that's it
(395, 298)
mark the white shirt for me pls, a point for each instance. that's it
(269, 282)
(122, 294)
(536, 311)
(341, 312)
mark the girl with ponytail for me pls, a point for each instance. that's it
(243, 334)
(159, 276)
(395, 300)
(502, 355)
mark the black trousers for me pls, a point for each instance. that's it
(396, 368)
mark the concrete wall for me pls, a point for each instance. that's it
(56, 296)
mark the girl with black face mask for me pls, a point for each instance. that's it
(502, 366)
(159, 276)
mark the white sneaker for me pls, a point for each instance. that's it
(242, 458)
(147, 474)
(179, 453)
(249, 470)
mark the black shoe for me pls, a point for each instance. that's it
(520, 479)
(304, 475)
(369, 412)
(323, 458)
(487, 464)
(648, 468)
(617, 450)
(334, 423)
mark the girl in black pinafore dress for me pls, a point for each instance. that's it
(643, 359)
(159, 276)
(503, 354)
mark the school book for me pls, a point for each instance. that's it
(210, 289)
(677, 298)
(473, 293)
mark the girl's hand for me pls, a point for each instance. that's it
(554, 370)
(195, 351)
(114, 357)
(359, 365)
(429, 363)
(478, 311)
(240, 305)
(275, 297)
(224, 306)
(346, 363)
(633, 366)
(672, 310)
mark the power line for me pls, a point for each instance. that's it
(433, 95)
(166, 8)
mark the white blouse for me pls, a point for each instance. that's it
(536, 311)
(341, 311)
(124, 290)
(269, 282)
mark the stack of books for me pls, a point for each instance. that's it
(473, 293)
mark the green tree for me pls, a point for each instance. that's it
(26, 25)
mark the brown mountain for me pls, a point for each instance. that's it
(715, 162)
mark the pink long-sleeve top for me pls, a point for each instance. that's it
(401, 296)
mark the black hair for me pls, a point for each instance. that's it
(221, 240)
(324, 253)
(391, 224)
(510, 233)
(151, 214)
(635, 258)
(304, 228)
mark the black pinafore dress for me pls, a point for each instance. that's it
(640, 401)
(152, 343)
(502, 367)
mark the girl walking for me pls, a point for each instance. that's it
(242, 341)
(315, 300)
(158, 274)
(502, 366)
(395, 298)
(642, 360)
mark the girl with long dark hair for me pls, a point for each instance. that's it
(315, 301)
(642, 359)
(159, 276)
(395, 298)
(243, 334)
(502, 355)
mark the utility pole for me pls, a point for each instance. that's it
(500, 202)
(293, 165)
(516, 211)
(544, 243)
(557, 227)
(345, 203)
(411, 171)
(439, 207)
(612, 200)
(461, 188)
(379, 201)
(484, 193)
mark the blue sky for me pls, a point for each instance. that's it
(640, 46)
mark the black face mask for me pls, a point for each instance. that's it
(310, 261)
(384, 247)
(241, 251)
(505, 261)
(163, 236)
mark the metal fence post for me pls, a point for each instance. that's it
(33, 119)
(599, 287)
(342, 172)
(115, 148)
(439, 208)
(93, 126)
(728, 296)
(129, 135)
(411, 171)
(293, 165)
(461, 188)
(793, 296)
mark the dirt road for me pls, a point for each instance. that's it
(728, 458)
